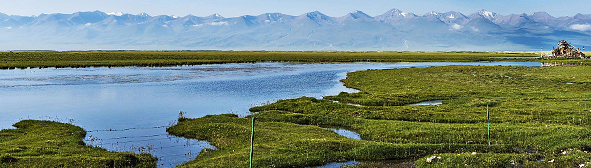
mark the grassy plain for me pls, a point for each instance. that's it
(540, 117)
(43, 59)
(52, 144)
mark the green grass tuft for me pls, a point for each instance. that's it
(52, 144)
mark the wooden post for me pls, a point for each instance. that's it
(488, 118)
(251, 142)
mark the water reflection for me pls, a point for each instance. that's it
(338, 164)
(346, 133)
(427, 103)
(547, 64)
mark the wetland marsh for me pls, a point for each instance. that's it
(128, 109)
(537, 120)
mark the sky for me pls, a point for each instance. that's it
(335, 8)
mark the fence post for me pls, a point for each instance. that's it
(488, 119)
(251, 141)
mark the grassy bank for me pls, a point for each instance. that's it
(52, 144)
(538, 114)
(44, 59)
(283, 144)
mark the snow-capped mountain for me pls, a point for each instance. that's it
(393, 30)
(316, 17)
(450, 18)
(356, 15)
(488, 15)
(394, 15)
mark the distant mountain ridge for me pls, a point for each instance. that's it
(393, 30)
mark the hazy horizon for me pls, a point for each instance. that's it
(293, 26)
(335, 8)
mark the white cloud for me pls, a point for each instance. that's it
(474, 28)
(218, 23)
(87, 24)
(10, 27)
(581, 27)
(456, 26)
(213, 24)
(164, 25)
(115, 13)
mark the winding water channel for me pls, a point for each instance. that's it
(129, 108)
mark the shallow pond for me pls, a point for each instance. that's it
(427, 103)
(346, 133)
(338, 164)
(129, 108)
(384, 163)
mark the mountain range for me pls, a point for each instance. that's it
(393, 30)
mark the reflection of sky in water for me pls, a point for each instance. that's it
(339, 164)
(428, 103)
(147, 99)
(346, 133)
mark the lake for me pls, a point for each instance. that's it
(129, 108)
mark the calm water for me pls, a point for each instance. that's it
(427, 103)
(346, 133)
(339, 164)
(129, 108)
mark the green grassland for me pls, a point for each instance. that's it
(283, 144)
(539, 118)
(52, 144)
(43, 59)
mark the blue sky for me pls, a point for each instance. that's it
(232, 8)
